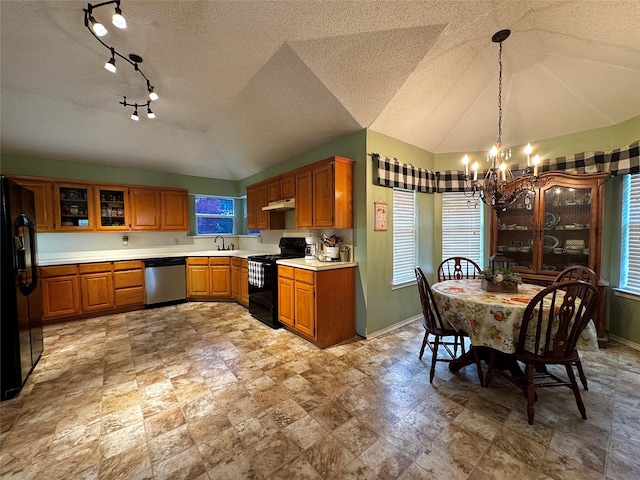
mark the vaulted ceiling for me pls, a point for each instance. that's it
(245, 85)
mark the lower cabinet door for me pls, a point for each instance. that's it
(129, 296)
(60, 296)
(286, 301)
(220, 281)
(304, 308)
(198, 281)
(97, 291)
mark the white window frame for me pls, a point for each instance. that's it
(211, 215)
(462, 228)
(630, 239)
(404, 238)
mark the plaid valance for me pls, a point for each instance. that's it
(391, 172)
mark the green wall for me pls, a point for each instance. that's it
(387, 306)
(45, 167)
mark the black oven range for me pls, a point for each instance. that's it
(263, 280)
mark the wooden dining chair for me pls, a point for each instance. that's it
(579, 272)
(433, 325)
(457, 268)
(568, 306)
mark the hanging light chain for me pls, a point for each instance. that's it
(500, 98)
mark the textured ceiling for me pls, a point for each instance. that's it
(246, 85)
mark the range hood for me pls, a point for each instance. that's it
(288, 204)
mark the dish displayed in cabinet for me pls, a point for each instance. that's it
(551, 242)
(551, 220)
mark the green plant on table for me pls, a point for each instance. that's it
(501, 275)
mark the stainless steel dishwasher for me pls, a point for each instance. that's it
(166, 281)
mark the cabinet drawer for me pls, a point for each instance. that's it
(219, 261)
(129, 296)
(127, 265)
(58, 271)
(239, 262)
(198, 261)
(128, 278)
(286, 272)
(96, 267)
(303, 275)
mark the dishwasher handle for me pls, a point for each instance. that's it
(164, 262)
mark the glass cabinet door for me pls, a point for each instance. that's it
(567, 227)
(516, 233)
(73, 205)
(112, 208)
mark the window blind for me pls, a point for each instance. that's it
(404, 236)
(461, 228)
(630, 261)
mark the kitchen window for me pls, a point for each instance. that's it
(214, 215)
(404, 237)
(461, 228)
(630, 258)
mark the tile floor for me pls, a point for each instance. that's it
(204, 391)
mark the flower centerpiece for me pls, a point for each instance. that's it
(500, 280)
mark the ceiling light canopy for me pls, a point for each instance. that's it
(98, 30)
(500, 189)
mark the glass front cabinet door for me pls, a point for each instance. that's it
(562, 228)
(74, 207)
(112, 208)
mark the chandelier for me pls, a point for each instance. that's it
(98, 30)
(499, 189)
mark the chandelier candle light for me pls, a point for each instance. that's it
(500, 189)
(98, 30)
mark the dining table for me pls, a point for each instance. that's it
(491, 319)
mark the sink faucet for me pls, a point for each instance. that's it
(215, 241)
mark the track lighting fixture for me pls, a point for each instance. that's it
(117, 19)
(97, 27)
(111, 64)
(98, 30)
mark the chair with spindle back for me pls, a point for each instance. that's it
(457, 268)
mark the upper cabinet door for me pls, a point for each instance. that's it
(74, 207)
(145, 208)
(262, 217)
(304, 200)
(252, 218)
(43, 197)
(112, 208)
(323, 194)
(288, 186)
(175, 209)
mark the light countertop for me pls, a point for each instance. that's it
(315, 265)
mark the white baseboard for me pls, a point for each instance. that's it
(624, 341)
(393, 327)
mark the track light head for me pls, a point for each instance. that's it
(150, 114)
(134, 115)
(97, 27)
(111, 65)
(152, 95)
(117, 19)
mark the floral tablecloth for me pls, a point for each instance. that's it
(492, 319)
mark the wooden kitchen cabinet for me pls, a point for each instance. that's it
(198, 277)
(240, 281)
(145, 208)
(96, 286)
(128, 283)
(209, 278)
(258, 219)
(43, 199)
(220, 272)
(273, 190)
(317, 305)
(324, 194)
(174, 210)
(563, 228)
(288, 186)
(60, 291)
(112, 208)
(73, 204)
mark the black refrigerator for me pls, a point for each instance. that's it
(21, 322)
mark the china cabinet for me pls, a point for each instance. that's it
(562, 228)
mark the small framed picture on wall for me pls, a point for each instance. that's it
(380, 209)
